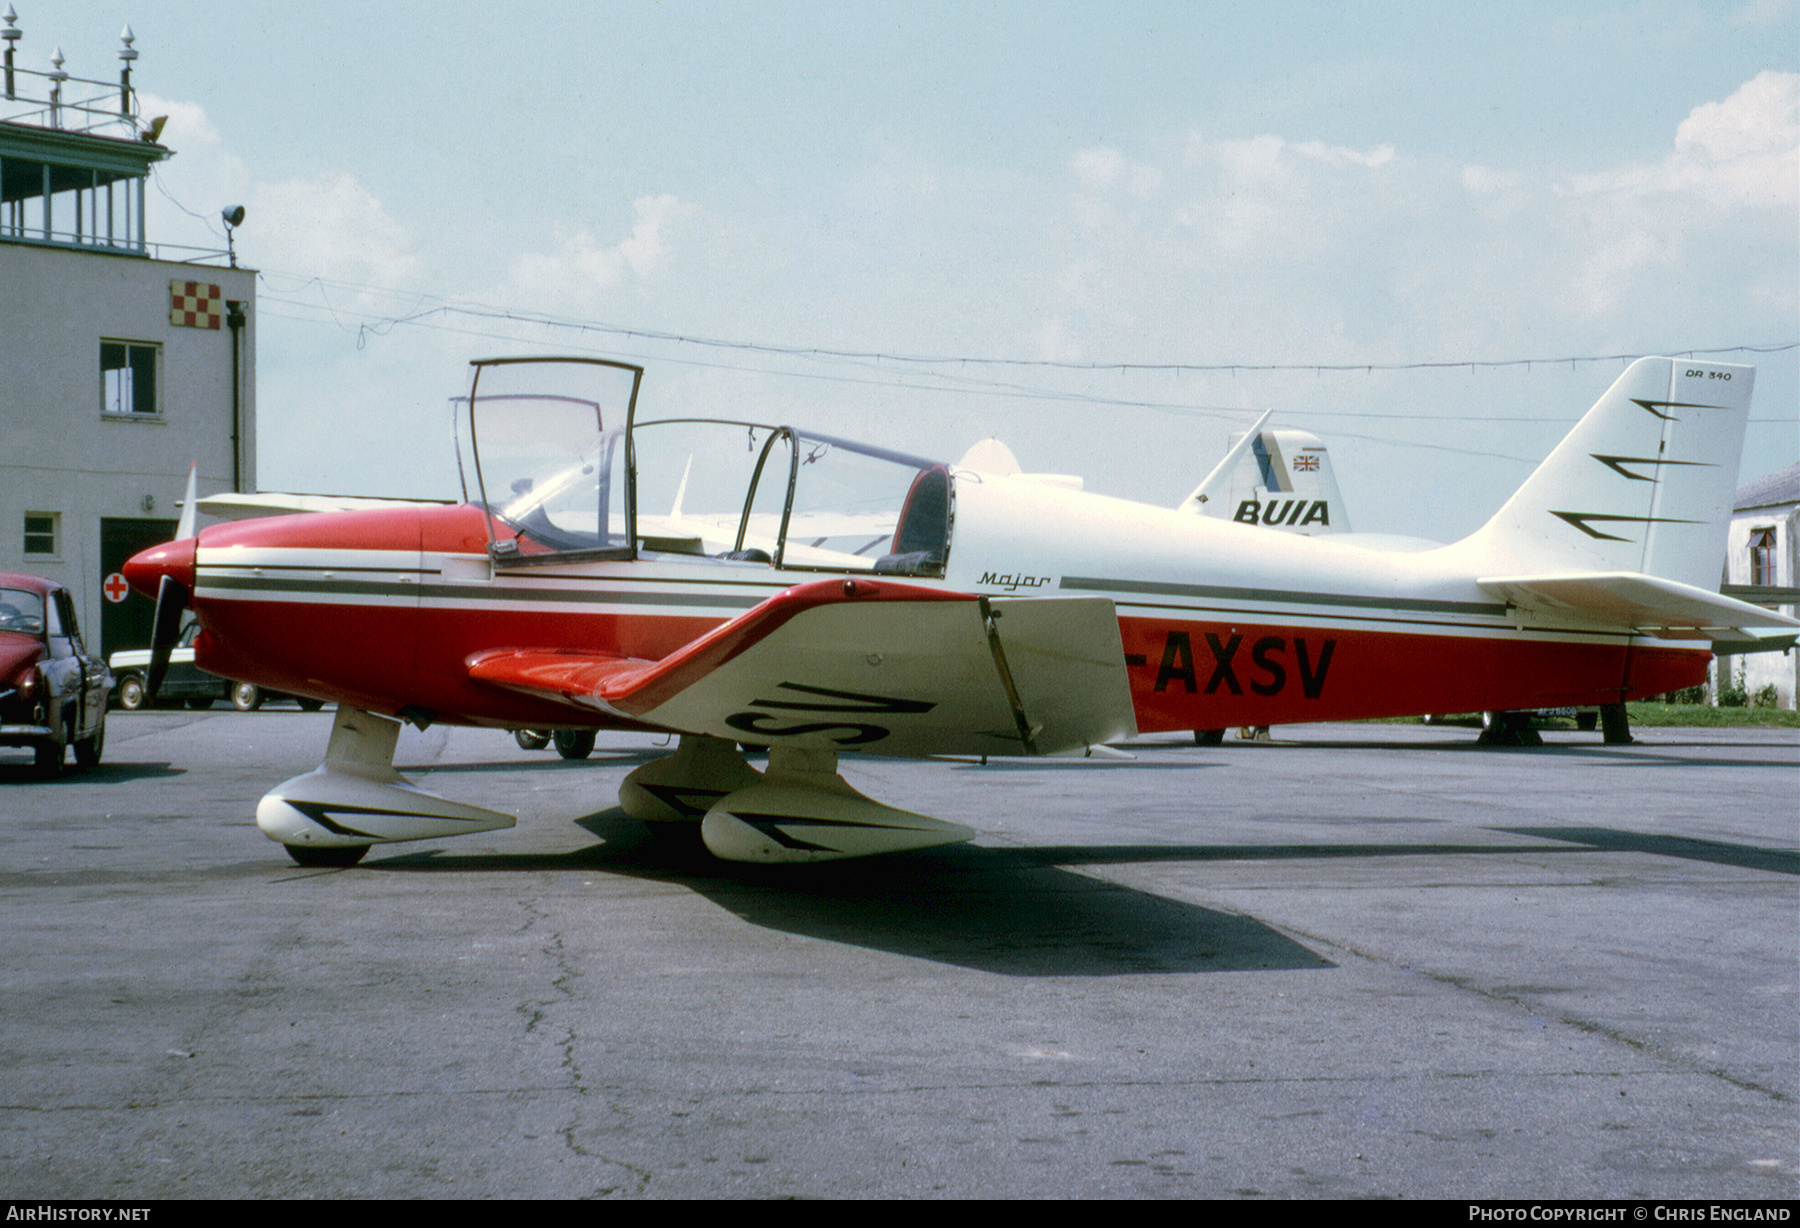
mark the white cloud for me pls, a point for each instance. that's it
(1104, 168)
(327, 225)
(1746, 149)
(1097, 168)
(1483, 180)
(1343, 155)
(648, 247)
(331, 227)
(582, 271)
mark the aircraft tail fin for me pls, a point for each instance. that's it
(1280, 479)
(1643, 484)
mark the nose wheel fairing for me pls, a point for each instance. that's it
(356, 798)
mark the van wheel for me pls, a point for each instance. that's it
(246, 696)
(131, 692)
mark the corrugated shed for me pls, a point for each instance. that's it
(1771, 490)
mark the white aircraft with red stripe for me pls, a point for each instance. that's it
(819, 597)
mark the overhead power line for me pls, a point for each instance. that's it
(379, 323)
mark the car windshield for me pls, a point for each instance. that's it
(21, 610)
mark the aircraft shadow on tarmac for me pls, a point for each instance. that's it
(1612, 840)
(1022, 911)
(1010, 911)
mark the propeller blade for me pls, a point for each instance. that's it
(171, 600)
(185, 529)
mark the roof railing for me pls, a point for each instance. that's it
(60, 100)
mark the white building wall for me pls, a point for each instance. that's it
(1778, 669)
(59, 453)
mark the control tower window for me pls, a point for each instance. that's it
(128, 378)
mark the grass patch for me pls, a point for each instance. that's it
(1648, 715)
(1652, 715)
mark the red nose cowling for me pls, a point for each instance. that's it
(146, 569)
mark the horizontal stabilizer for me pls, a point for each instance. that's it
(1644, 603)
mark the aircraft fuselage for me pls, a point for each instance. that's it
(1220, 624)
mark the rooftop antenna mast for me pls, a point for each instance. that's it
(11, 35)
(127, 55)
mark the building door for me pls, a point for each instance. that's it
(127, 624)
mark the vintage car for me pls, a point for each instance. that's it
(52, 690)
(186, 682)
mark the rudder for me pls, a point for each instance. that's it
(1643, 483)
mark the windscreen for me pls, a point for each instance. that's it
(551, 458)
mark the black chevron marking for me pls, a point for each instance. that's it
(677, 799)
(1579, 519)
(322, 812)
(1617, 464)
(1656, 407)
(777, 827)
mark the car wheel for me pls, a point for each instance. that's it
(574, 743)
(131, 692)
(246, 696)
(1586, 721)
(531, 739)
(87, 751)
(49, 757)
(1209, 737)
(328, 858)
(199, 705)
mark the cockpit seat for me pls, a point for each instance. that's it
(922, 534)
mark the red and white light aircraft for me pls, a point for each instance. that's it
(738, 582)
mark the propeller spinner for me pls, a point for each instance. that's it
(174, 567)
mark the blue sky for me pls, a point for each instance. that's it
(1296, 186)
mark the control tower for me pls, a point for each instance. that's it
(122, 360)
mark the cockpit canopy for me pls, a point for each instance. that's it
(568, 470)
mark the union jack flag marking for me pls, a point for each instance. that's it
(1306, 462)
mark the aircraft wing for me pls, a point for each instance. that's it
(865, 665)
(1649, 604)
